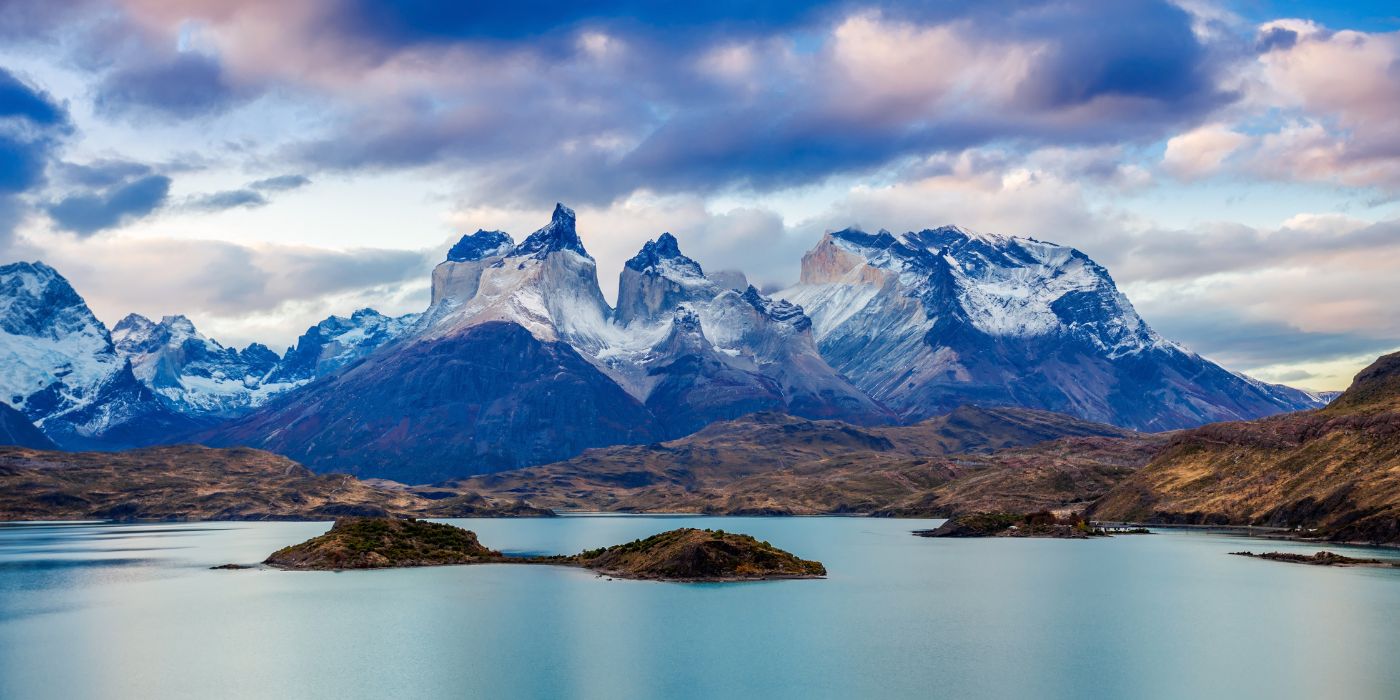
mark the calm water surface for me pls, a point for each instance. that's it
(132, 611)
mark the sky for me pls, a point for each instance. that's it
(260, 165)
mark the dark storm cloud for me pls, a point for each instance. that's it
(89, 213)
(31, 123)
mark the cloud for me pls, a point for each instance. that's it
(100, 173)
(851, 92)
(1318, 107)
(280, 183)
(1201, 151)
(239, 293)
(89, 213)
(186, 84)
(21, 100)
(227, 199)
(253, 195)
(32, 127)
(1239, 341)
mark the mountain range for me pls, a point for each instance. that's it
(519, 359)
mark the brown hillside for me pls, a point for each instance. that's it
(1336, 469)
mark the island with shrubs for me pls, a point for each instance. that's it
(686, 554)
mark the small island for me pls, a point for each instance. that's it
(1323, 558)
(1071, 526)
(381, 543)
(686, 554)
(691, 554)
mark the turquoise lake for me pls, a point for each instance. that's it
(132, 611)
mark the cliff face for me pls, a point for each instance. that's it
(1336, 469)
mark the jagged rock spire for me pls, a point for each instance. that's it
(560, 234)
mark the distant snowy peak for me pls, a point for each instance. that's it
(337, 341)
(37, 302)
(547, 284)
(193, 374)
(779, 310)
(199, 377)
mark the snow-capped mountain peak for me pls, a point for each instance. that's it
(60, 367)
(54, 353)
(480, 245)
(191, 373)
(336, 342)
(663, 256)
(561, 233)
(932, 319)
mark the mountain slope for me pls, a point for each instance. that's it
(772, 463)
(1336, 469)
(15, 429)
(490, 397)
(60, 368)
(928, 321)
